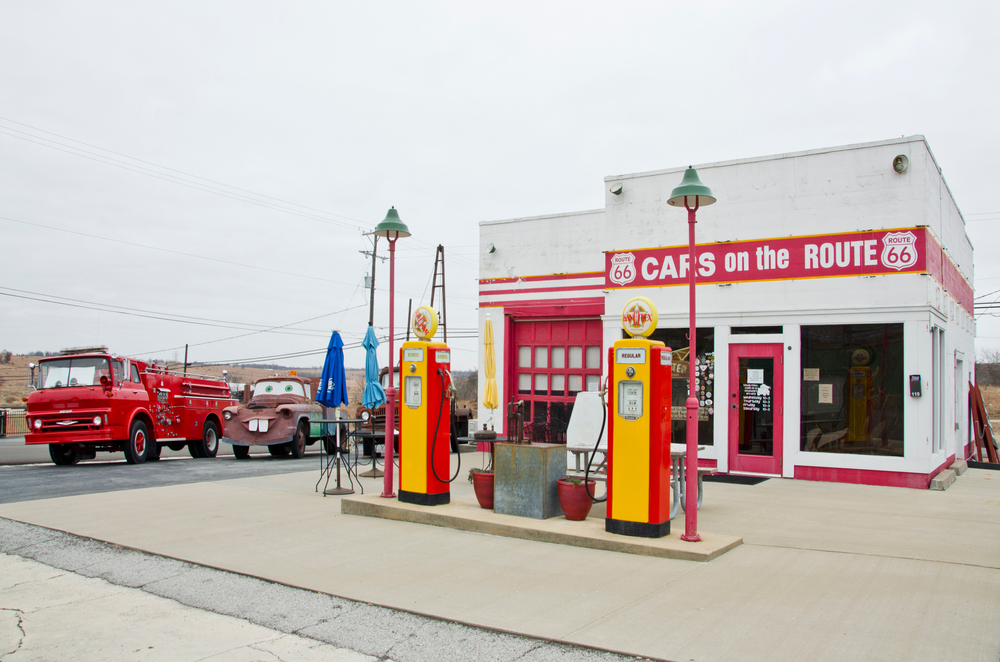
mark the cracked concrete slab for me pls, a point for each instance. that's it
(61, 615)
(85, 582)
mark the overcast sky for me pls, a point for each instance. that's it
(209, 168)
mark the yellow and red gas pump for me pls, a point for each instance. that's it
(859, 396)
(639, 427)
(425, 415)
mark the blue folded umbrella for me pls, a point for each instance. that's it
(332, 390)
(374, 394)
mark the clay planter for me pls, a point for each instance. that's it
(574, 500)
(482, 483)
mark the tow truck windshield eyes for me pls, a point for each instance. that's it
(73, 372)
(278, 388)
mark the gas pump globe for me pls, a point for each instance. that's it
(639, 427)
(425, 415)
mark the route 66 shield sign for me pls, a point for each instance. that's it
(622, 269)
(899, 250)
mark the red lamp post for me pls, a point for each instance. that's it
(691, 195)
(392, 228)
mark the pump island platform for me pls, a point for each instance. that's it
(464, 514)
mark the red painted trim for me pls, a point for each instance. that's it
(871, 477)
(593, 307)
(523, 290)
(514, 279)
(509, 370)
(711, 464)
(944, 271)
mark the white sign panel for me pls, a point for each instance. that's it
(635, 355)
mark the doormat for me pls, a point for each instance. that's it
(739, 480)
(975, 465)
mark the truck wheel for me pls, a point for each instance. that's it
(62, 455)
(241, 452)
(137, 446)
(208, 445)
(278, 450)
(298, 444)
(154, 452)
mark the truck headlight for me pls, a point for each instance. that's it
(226, 415)
(97, 420)
(38, 424)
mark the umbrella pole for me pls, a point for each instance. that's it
(338, 489)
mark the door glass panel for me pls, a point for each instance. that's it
(558, 384)
(541, 357)
(756, 414)
(523, 357)
(575, 384)
(524, 384)
(593, 382)
(558, 357)
(575, 357)
(593, 357)
(541, 384)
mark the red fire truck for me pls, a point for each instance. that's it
(87, 400)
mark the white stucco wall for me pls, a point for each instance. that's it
(843, 189)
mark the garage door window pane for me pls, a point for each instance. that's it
(558, 384)
(575, 358)
(593, 357)
(593, 382)
(558, 358)
(541, 357)
(523, 357)
(575, 383)
(541, 383)
(524, 384)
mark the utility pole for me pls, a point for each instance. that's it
(185, 358)
(371, 305)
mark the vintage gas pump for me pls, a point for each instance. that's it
(639, 428)
(425, 416)
(859, 396)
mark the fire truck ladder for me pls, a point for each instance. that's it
(983, 444)
(439, 260)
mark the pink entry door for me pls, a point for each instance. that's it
(755, 408)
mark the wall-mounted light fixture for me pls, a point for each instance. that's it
(490, 248)
(900, 164)
(616, 188)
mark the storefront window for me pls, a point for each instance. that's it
(556, 359)
(677, 340)
(852, 389)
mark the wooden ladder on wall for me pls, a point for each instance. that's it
(984, 446)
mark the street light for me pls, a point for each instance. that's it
(691, 195)
(392, 229)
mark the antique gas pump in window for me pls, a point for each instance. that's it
(425, 415)
(639, 428)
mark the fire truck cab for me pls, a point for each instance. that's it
(87, 400)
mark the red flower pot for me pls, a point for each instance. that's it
(482, 483)
(574, 499)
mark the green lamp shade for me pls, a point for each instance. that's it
(691, 186)
(391, 227)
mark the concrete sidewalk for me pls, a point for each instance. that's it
(826, 572)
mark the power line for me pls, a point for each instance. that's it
(175, 252)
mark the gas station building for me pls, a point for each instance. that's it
(834, 307)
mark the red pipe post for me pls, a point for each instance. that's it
(390, 393)
(691, 460)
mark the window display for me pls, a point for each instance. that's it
(852, 389)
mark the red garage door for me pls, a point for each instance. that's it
(553, 361)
